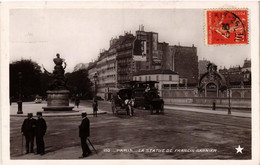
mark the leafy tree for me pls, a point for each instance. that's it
(46, 81)
(31, 84)
(79, 83)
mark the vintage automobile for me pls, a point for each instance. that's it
(146, 96)
(137, 95)
(121, 102)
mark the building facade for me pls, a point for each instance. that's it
(124, 58)
(106, 70)
(166, 79)
(238, 77)
(184, 61)
(129, 54)
(203, 64)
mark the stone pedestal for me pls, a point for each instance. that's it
(58, 100)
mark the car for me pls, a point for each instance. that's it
(139, 95)
(146, 96)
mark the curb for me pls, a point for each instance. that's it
(210, 112)
(210, 106)
(58, 115)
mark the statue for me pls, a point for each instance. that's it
(58, 94)
(60, 80)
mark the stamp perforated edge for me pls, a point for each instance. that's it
(224, 9)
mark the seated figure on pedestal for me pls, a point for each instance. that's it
(60, 80)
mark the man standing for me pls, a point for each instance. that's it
(41, 128)
(95, 107)
(77, 100)
(84, 134)
(28, 130)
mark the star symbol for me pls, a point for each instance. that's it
(239, 149)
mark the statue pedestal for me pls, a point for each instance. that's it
(58, 100)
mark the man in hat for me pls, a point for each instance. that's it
(84, 134)
(28, 130)
(95, 107)
(77, 100)
(41, 128)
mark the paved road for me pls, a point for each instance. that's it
(180, 133)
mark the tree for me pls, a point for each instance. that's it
(31, 84)
(79, 83)
(46, 81)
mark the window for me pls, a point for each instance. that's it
(140, 78)
(145, 78)
(170, 78)
(157, 78)
(149, 78)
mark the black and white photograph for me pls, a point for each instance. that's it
(166, 81)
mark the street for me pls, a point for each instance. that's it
(174, 135)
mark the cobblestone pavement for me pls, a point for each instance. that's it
(174, 135)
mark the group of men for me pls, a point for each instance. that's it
(37, 128)
(34, 128)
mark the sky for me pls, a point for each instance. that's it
(79, 34)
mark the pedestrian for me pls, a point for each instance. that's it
(28, 130)
(84, 134)
(147, 89)
(41, 128)
(214, 105)
(95, 107)
(77, 100)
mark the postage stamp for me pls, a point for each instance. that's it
(227, 27)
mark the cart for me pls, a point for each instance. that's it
(122, 102)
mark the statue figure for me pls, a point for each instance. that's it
(58, 69)
(58, 74)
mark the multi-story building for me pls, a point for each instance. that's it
(111, 69)
(184, 61)
(203, 64)
(102, 73)
(238, 76)
(246, 66)
(106, 69)
(149, 48)
(166, 79)
(129, 54)
(124, 58)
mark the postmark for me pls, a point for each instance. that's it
(226, 27)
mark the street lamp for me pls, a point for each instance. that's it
(95, 80)
(19, 102)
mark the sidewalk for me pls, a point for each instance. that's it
(31, 107)
(201, 110)
(244, 107)
(243, 111)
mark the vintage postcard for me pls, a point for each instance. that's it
(130, 82)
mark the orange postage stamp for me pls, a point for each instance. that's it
(226, 27)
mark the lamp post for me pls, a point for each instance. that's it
(19, 102)
(95, 80)
(229, 106)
